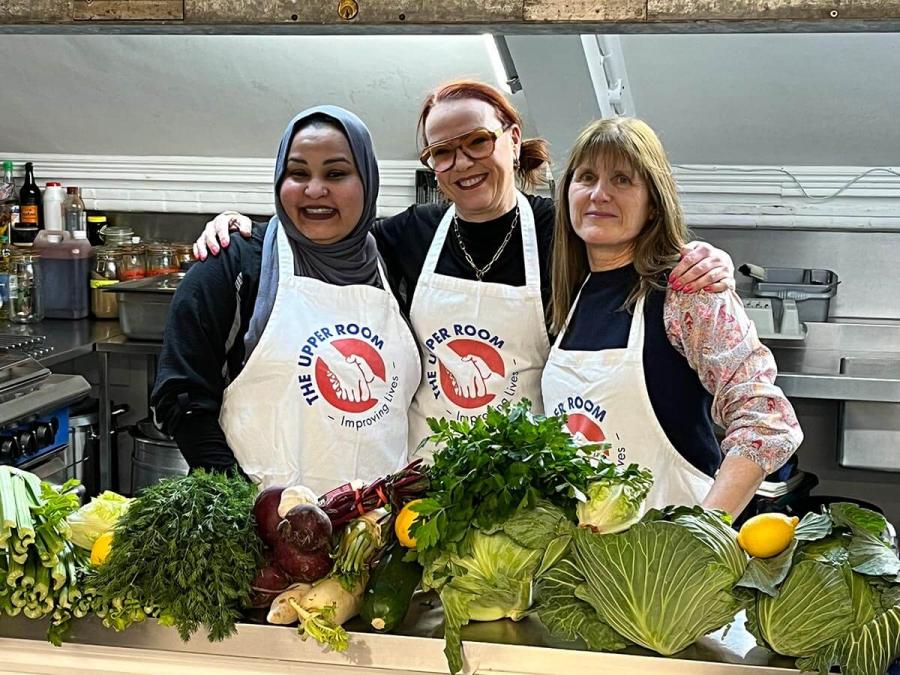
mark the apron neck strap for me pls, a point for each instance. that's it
(529, 243)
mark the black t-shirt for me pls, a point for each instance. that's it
(681, 404)
(404, 239)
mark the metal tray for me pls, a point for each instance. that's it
(144, 305)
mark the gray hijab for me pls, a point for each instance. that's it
(353, 260)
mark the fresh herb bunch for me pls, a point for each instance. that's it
(189, 547)
(486, 470)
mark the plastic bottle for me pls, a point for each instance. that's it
(66, 263)
(54, 196)
(74, 216)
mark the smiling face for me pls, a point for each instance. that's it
(321, 190)
(482, 189)
(609, 205)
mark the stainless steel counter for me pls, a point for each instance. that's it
(497, 646)
(68, 339)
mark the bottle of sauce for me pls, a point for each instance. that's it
(30, 215)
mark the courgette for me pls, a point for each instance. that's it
(390, 590)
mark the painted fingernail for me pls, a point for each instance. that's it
(671, 278)
(708, 289)
(688, 289)
(214, 249)
(676, 285)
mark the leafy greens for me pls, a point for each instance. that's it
(833, 598)
(663, 583)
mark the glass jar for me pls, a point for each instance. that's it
(132, 262)
(116, 235)
(25, 286)
(105, 273)
(184, 255)
(161, 259)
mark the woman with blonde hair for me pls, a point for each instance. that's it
(642, 367)
(474, 276)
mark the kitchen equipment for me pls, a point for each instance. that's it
(65, 266)
(25, 284)
(84, 440)
(144, 305)
(31, 345)
(784, 298)
(34, 415)
(869, 431)
(155, 456)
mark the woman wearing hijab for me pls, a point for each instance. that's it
(474, 278)
(643, 367)
(288, 356)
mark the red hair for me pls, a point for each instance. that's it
(534, 153)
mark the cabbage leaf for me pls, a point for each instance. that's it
(661, 584)
(97, 517)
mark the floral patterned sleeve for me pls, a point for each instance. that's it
(714, 334)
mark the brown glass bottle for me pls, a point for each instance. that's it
(30, 216)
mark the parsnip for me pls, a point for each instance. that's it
(281, 611)
(329, 593)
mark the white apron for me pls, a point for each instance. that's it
(323, 398)
(604, 393)
(482, 343)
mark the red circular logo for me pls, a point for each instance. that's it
(586, 427)
(346, 383)
(465, 381)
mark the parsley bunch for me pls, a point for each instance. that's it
(484, 471)
(189, 547)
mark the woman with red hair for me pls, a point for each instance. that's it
(474, 277)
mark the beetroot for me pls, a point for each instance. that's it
(300, 565)
(307, 528)
(265, 510)
(270, 581)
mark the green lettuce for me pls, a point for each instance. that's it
(833, 598)
(489, 575)
(614, 503)
(663, 583)
(97, 517)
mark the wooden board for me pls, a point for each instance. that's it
(27, 11)
(369, 11)
(762, 10)
(128, 10)
(579, 10)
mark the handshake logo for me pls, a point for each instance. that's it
(350, 375)
(470, 372)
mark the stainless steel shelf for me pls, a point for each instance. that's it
(839, 387)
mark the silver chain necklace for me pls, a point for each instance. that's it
(479, 273)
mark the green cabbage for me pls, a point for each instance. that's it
(663, 583)
(833, 598)
(489, 575)
(98, 516)
(614, 504)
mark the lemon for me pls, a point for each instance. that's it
(404, 521)
(767, 534)
(101, 548)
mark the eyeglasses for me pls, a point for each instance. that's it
(477, 144)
